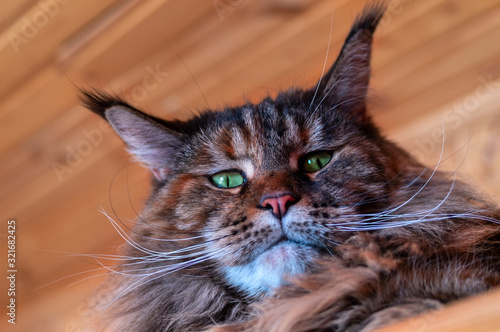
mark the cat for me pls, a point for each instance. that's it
(293, 214)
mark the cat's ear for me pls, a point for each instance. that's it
(147, 139)
(346, 83)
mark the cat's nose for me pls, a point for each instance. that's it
(279, 203)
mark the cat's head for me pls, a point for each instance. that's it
(263, 189)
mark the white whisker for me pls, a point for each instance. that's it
(163, 272)
(324, 62)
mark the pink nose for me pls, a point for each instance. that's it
(279, 203)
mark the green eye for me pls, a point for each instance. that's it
(228, 179)
(315, 161)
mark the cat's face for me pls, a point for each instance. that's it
(270, 187)
(262, 190)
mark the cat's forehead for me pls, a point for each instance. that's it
(267, 135)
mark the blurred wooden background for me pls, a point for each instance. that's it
(436, 66)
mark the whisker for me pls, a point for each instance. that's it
(127, 238)
(424, 185)
(193, 77)
(67, 277)
(324, 62)
(377, 221)
(168, 270)
(375, 199)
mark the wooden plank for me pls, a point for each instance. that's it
(61, 309)
(477, 314)
(166, 20)
(408, 63)
(430, 20)
(18, 202)
(11, 10)
(433, 96)
(444, 67)
(35, 154)
(30, 41)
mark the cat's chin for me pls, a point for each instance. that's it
(272, 268)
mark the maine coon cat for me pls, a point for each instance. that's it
(293, 214)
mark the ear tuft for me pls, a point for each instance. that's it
(368, 20)
(99, 101)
